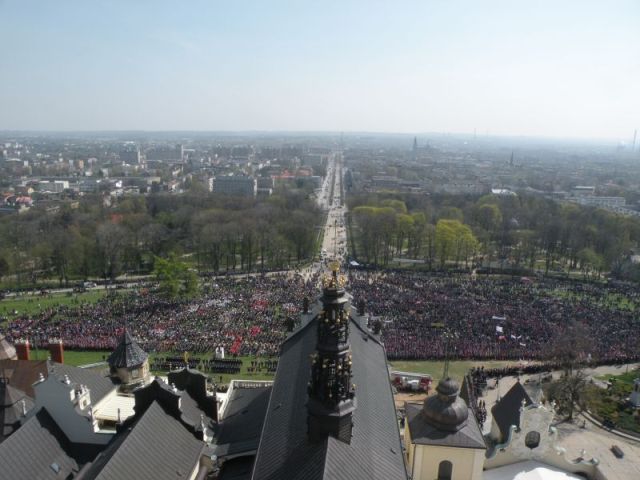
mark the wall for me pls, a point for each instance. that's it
(467, 462)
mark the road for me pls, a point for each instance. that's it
(334, 236)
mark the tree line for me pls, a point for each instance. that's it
(516, 231)
(212, 233)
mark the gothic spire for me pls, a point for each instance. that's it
(331, 393)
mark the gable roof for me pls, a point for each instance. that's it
(507, 411)
(7, 351)
(375, 451)
(158, 447)
(22, 374)
(127, 354)
(34, 448)
(11, 408)
(424, 433)
(98, 385)
(242, 424)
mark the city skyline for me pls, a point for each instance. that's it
(543, 70)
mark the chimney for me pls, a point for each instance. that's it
(56, 350)
(23, 350)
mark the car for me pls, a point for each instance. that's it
(89, 284)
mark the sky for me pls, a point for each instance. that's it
(568, 68)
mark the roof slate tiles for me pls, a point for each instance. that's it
(375, 451)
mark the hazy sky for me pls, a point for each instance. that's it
(553, 68)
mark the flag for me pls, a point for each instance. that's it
(499, 329)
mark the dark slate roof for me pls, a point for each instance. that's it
(11, 408)
(507, 411)
(32, 450)
(22, 374)
(236, 469)
(239, 431)
(158, 447)
(7, 351)
(423, 433)
(98, 384)
(127, 354)
(375, 451)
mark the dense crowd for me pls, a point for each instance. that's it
(245, 316)
(483, 318)
(498, 319)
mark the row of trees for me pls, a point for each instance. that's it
(388, 231)
(522, 231)
(212, 233)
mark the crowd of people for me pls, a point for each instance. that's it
(422, 317)
(430, 317)
(242, 317)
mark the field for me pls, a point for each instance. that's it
(614, 301)
(457, 369)
(78, 358)
(34, 304)
(611, 403)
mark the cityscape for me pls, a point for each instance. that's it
(241, 242)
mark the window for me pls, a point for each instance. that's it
(444, 470)
(532, 440)
(135, 373)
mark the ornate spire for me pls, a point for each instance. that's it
(331, 392)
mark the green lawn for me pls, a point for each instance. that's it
(611, 403)
(457, 369)
(611, 300)
(34, 304)
(78, 358)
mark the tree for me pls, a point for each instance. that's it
(111, 239)
(569, 391)
(175, 277)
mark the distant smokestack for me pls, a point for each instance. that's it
(635, 135)
(23, 350)
(56, 349)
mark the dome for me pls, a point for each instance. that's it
(446, 410)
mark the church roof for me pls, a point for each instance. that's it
(375, 451)
(11, 408)
(446, 410)
(127, 354)
(242, 423)
(425, 433)
(22, 374)
(507, 411)
(158, 447)
(98, 385)
(7, 351)
(38, 449)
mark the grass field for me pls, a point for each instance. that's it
(611, 403)
(611, 301)
(457, 369)
(34, 304)
(78, 358)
